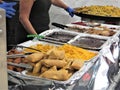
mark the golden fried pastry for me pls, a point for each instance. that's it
(52, 62)
(37, 67)
(68, 66)
(17, 60)
(77, 64)
(43, 69)
(107, 33)
(101, 32)
(35, 57)
(56, 54)
(60, 75)
(33, 74)
(54, 68)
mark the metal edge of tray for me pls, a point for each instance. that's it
(56, 30)
(48, 32)
(89, 35)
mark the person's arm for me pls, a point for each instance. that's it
(59, 3)
(63, 5)
(25, 10)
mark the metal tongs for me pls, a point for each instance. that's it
(20, 46)
(23, 65)
(47, 39)
(18, 55)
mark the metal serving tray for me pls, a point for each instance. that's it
(115, 3)
(85, 29)
(88, 41)
(33, 80)
(59, 35)
(43, 81)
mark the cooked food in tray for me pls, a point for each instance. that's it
(58, 63)
(60, 36)
(98, 25)
(15, 60)
(105, 32)
(97, 10)
(98, 30)
(89, 42)
(71, 52)
(53, 62)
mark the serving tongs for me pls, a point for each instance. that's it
(47, 39)
(22, 65)
(19, 55)
(65, 26)
(20, 46)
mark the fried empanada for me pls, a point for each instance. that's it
(56, 54)
(37, 67)
(52, 62)
(60, 75)
(77, 64)
(35, 57)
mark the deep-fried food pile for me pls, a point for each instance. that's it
(104, 32)
(58, 63)
(71, 52)
(17, 60)
(53, 62)
(110, 11)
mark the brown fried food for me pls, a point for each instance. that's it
(24, 60)
(35, 57)
(56, 54)
(33, 74)
(43, 69)
(17, 60)
(77, 64)
(52, 62)
(68, 66)
(10, 60)
(107, 33)
(37, 67)
(101, 32)
(60, 75)
(10, 67)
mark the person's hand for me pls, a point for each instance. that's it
(10, 11)
(70, 11)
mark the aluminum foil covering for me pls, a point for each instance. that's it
(109, 64)
(93, 42)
